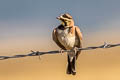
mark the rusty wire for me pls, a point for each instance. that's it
(38, 53)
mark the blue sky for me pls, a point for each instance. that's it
(37, 18)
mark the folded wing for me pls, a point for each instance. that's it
(55, 38)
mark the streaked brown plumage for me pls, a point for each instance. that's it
(68, 36)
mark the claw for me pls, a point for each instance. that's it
(61, 51)
(75, 49)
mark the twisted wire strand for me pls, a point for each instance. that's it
(37, 53)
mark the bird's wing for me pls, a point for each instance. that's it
(79, 35)
(55, 38)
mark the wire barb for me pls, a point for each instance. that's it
(37, 53)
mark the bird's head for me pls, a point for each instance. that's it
(66, 20)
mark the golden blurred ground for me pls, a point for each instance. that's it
(100, 64)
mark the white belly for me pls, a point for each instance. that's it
(66, 39)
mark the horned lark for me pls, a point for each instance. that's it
(68, 36)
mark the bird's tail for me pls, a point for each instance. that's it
(71, 65)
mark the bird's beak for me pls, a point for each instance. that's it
(58, 18)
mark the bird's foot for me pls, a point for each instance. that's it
(61, 51)
(75, 49)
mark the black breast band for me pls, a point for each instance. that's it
(61, 27)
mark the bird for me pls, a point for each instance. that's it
(68, 37)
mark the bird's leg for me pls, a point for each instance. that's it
(61, 51)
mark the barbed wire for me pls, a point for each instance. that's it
(37, 53)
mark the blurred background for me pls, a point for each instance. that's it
(27, 25)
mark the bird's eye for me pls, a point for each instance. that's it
(67, 16)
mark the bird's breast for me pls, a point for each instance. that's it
(66, 38)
